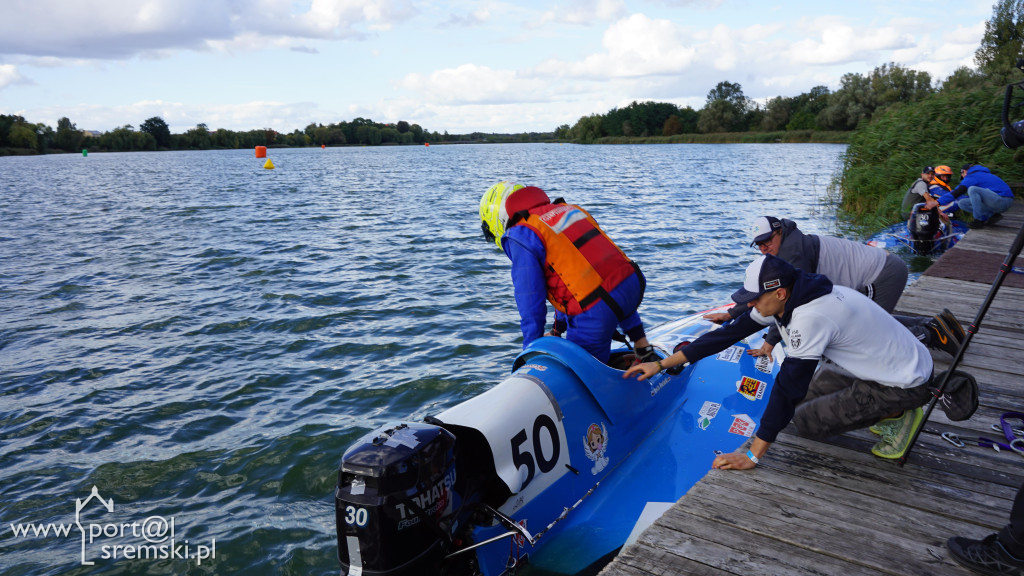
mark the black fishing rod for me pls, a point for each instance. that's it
(1006, 268)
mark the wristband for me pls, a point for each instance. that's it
(753, 458)
(660, 367)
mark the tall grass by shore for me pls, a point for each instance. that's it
(950, 127)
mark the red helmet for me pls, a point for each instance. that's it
(526, 198)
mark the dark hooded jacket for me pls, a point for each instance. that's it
(795, 374)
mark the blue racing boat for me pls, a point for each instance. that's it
(558, 466)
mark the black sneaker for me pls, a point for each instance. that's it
(986, 556)
(953, 324)
(976, 224)
(993, 219)
(941, 336)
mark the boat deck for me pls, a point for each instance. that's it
(831, 507)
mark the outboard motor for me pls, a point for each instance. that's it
(923, 226)
(395, 500)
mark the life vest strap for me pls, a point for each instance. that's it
(603, 294)
(587, 237)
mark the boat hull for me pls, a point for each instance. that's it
(584, 459)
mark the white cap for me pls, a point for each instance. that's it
(763, 228)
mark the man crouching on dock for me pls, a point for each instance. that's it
(887, 370)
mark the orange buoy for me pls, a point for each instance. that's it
(427, 144)
(261, 151)
(322, 146)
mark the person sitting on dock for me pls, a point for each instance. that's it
(878, 274)
(884, 372)
(920, 190)
(558, 251)
(940, 185)
(988, 196)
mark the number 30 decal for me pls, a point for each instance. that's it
(536, 459)
(357, 516)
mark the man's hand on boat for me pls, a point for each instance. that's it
(717, 317)
(733, 461)
(645, 370)
(764, 350)
(744, 458)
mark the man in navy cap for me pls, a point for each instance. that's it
(874, 272)
(886, 370)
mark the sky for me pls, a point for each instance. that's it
(450, 66)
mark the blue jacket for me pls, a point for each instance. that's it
(527, 253)
(795, 375)
(982, 177)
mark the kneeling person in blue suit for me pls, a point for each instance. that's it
(559, 254)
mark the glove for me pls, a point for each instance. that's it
(646, 354)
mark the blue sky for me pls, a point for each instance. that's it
(455, 66)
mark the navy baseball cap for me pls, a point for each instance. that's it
(765, 273)
(763, 228)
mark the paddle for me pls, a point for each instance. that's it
(1005, 269)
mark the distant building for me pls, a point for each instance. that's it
(92, 133)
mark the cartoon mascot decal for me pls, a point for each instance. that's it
(595, 443)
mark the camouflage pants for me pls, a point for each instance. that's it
(836, 402)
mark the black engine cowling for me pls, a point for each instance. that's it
(923, 226)
(395, 500)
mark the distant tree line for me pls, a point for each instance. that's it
(17, 134)
(727, 109)
(859, 98)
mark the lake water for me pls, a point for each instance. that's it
(200, 339)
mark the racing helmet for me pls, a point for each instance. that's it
(943, 170)
(502, 202)
(493, 215)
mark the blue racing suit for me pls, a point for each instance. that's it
(594, 327)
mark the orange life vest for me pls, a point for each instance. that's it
(582, 265)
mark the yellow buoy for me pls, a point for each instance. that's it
(268, 165)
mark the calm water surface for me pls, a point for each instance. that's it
(200, 338)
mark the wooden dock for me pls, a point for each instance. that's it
(831, 507)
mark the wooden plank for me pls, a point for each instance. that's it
(742, 552)
(645, 558)
(718, 501)
(854, 468)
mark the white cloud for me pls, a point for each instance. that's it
(635, 46)
(840, 43)
(9, 76)
(116, 29)
(470, 83)
(584, 12)
(478, 17)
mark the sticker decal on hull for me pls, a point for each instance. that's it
(595, 444)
